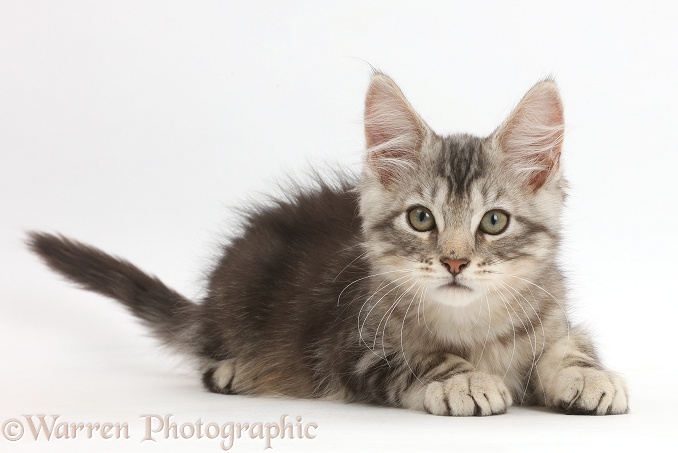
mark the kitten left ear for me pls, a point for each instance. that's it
(532, 136)
(394, 132)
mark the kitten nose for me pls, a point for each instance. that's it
(454, 266)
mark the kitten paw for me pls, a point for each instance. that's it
(465, 394)
(219, 378)
(589, 391)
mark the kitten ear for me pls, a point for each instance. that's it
(393, 130)
(532, 136)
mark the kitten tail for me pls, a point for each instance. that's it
(167, 313)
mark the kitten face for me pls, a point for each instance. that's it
(460, 257)
(458, 197)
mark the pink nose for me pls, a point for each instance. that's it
(454, 266)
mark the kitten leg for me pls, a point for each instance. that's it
(441, 384)
(573, 380)
(219, 377)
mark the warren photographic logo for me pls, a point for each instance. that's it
(154, 428)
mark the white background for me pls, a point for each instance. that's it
(137, 125)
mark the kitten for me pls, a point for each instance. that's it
(429, 283)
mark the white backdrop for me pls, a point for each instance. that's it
(135, 126)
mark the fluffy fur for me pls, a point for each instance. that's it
(332, 293)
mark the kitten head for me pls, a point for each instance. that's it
(461, 215)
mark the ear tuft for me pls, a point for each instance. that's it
(393, 130)
(532, 136)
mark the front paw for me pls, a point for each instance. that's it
(589, 391)
(464, 394)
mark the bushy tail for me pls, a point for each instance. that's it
(167, 313)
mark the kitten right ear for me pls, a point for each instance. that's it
(393, 130)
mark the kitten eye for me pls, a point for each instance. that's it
(421, 219)
(494, 222)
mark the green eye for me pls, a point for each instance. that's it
(494, 222)
(421, 219)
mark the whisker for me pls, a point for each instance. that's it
(392, 310)
(395, 288)
(536, 313)
(480, 312)
(534, 333)
(370, 276)
(360, 328)
(513, 327)
(343, 249)
(346, 267)
(512, 291)
(567, 322)
(489, 327)
(367, 301)
(543, 342)
(402, 327)
(423, 312)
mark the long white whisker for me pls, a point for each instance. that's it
(370, 276)
(402, 327)
(534, 333)
(480, 312)
(567, 322)
(346, 267)
(513, 352)
(388, 314)
(360, 328)
(395, 288)
(379, 288)
(423, 311)
(512, 291)
(536, 312)
(543, 343)
(420, 303)
(489, 327)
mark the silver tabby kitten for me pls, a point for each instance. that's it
(429, 284)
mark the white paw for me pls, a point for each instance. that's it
(219, 378)
(579, 390)
(472, 393)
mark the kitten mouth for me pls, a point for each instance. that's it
(455, 285)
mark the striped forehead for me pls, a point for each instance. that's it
(460, 164)
(453, 183)
(457, 211)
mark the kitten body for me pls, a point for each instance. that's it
(430, 282)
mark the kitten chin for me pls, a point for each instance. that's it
(457, 295)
